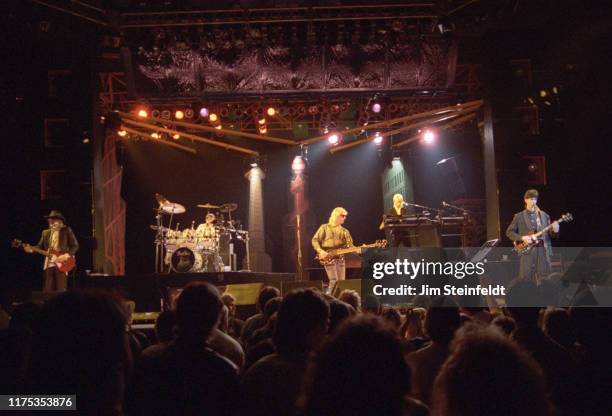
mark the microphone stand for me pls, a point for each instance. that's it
(465, 212)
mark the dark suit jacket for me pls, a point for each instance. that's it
(67, 241)
(392, 213)
(519, 227)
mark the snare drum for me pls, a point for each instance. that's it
(186, 260)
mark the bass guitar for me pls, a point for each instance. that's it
(332, 255)
(65, 265)
(523, 248)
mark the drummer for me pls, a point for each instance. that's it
(207, 229)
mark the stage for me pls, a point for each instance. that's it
(148, 290)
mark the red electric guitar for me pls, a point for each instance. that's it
(64, 266)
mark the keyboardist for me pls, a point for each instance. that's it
(398, 210)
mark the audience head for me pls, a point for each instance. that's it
(301, 323)
(414, 324)
(558, 326)
(229, 300)
(80, 346)
(267, 293)
(338, 312)
(371, 304)
(197, 312)
(442, 320)
(465, 318)
(392, 317)
(130, 307)
(352, 298)
(164, 326)
(489, 374)
(272, 307)
(359, 371)
(505, 323)
(223, 324)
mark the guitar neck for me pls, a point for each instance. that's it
(545, 229)
(39, 251)
(351, 249)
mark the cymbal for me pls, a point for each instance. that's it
(208, 206)
(229, 207)
(173, 208)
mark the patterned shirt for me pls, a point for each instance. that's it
(329, 237)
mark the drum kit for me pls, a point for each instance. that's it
(209, 247)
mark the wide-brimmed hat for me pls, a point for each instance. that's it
(56, 215)
(531, 193)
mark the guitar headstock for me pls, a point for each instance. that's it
(16, 243)
(567, 217)
(381, 243)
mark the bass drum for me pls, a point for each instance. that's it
(186, 260)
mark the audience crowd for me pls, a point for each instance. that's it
(309, 354)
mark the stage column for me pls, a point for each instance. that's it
(258, 258)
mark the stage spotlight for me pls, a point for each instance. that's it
(219, 127)
(213, 117)
(179, 115)
(166, 114)
(188, 113)
(155, 113)
(429, 136)
(333, 139)
(378, 139)
(261, 121)
(543, 93)
(376, 107)
(155, 135)
(122, 133)
(204, 112)
(263, 130)
(143, 113)
(176, 136)
(271, 111)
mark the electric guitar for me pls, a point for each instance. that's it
(523, 248)
(332, 255)
(63, 266)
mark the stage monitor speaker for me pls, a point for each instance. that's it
(289, 286)
(245, 293)
(350, 284)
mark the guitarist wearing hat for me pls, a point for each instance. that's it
(536, 262)
(58, 237)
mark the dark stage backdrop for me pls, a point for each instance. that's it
(350, 179)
